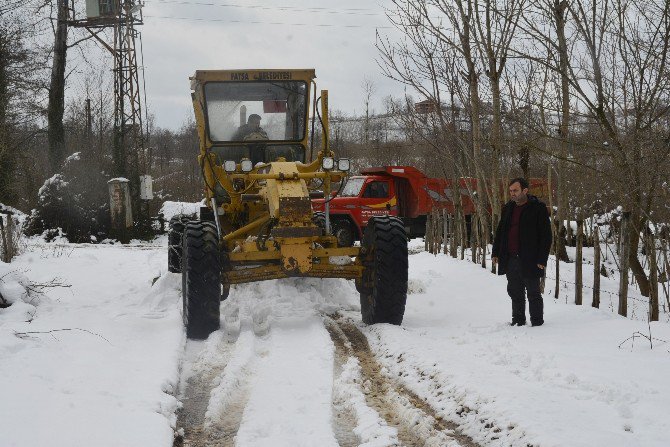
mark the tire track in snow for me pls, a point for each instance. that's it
(416, 422)
(217, 388)
(229, 397)
(344, 419)
(468, 413)
(204, 363)
(354, 422)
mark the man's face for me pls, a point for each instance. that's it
(254, 123)
(518, 194)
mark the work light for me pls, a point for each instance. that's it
(246, 165)
(328, 163)
(343, 164)
(229, 166)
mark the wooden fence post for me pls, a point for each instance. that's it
(439, 233)
(5, 246)
(445, 231)
(596, 267)
(557, 255)
(653, 277)
(484, 237)
(578, 262)
(473, 237)
(463, 231)
(624, 263)
(666, 270)
(454, 229)
(426, 237)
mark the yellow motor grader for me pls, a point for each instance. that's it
(257, 222)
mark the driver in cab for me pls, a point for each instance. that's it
(251, 131)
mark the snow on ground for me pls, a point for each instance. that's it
(273, 374)
(98, 360)
(564, 383)
(294, 371)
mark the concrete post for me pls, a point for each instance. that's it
(120, 209)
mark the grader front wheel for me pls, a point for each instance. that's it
(201, 279)
(175, 233)
(383, 287)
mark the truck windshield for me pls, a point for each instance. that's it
(252, 111)
(353, 187)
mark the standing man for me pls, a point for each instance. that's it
(521, 249)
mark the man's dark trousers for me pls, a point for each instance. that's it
(517, 287)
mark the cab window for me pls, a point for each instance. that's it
(376, 190)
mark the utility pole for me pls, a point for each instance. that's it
(123, 16)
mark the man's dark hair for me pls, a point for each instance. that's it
(522, 181)
(254, 116)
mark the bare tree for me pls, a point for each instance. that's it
(496, 25)
(369, 89)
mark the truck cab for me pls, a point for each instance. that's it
(359, 199)
(400, 191)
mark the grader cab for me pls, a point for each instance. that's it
(258, 223)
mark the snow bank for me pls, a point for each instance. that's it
(16, 287)
(170, 209)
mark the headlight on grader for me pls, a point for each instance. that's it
(328, 163)
(229, 166)
(343, 164)
(246, 165)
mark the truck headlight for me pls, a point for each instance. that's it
(343, 164)
(246, 165)
(328, 163)
(229, 166)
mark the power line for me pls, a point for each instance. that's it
(259, 22)
(313, 9)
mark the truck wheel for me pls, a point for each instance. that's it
(319, 219)
(201, 279)
(383, 287)
(344, 232)
(175, 232)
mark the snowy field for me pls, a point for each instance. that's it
(102, 360)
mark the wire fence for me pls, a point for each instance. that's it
(444, 234)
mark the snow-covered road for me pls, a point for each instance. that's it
(293, 365)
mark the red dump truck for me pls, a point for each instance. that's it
(401, 191)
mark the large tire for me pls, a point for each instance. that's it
(201, 279)
(383, 287)
(344, 232)
(175, 233)
(319, 219)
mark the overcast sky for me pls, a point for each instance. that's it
(335, 38)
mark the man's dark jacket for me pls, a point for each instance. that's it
(534, 237)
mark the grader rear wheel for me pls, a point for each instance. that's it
(383, 287)
(201, 279)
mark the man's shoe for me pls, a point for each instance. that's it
(537, 323)
(517, 323)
